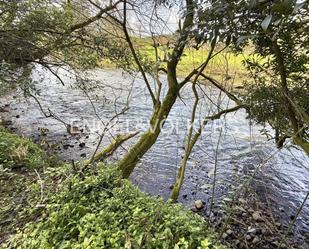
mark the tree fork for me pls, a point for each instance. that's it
(128, 162)
(161, 110)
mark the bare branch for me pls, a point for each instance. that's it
(216, 84)
(137, 61)
(93, 18)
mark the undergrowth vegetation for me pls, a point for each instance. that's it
(17, 152)
(101, 210)
(60, 206)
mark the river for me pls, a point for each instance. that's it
(235, 142)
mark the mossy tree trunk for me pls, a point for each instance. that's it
(181, 171)
(161, 111)
(192, 139)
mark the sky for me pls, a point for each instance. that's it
(151, 19)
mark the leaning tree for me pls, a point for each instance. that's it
(167, 66)
(279, 93)
(81, 33)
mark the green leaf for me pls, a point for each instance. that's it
(265, 23)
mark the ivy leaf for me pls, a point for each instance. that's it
(265, 23)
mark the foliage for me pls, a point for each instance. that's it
(267, 103)
(282, 38)
(62, 207)
(278, 32)
(17, 152)
(57, 33)
(101, 210)
(26, 174)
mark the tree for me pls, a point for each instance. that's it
(55, 33)
(278, 32)
(82, 43)
(161, 107)
(220, 24)
(280, 93)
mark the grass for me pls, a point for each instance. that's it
(18, 153)
(226, 66)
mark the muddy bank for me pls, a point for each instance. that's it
(280, 183)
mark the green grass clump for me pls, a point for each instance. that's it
(17, 152)
(26, 175)
(101, 210)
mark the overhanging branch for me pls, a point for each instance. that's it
(217, 84)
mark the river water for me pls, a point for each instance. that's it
(235, 145)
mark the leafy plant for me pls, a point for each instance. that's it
(101, 210)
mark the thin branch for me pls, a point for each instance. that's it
(217, 84)
(50, 114)
(93, 18)
(215, 173)
(296, 216)
(197, 71)
(136, 59)
(50, 69)
(219, 114)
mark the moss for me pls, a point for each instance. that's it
(17, 152)
(101, 210)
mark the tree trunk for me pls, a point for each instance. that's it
(285, 90)
(161, 111)
(297, 124)
(181, 171)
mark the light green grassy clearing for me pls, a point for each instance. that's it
(226, 66)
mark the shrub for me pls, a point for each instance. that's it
(91, 209)
(17, 152)
(101, 210)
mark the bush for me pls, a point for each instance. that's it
(91, 209)
(17, 152)
(101, 210)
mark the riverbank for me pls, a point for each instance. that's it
(238, 155)
(98, 208)
(227, 66)
(241, 223)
